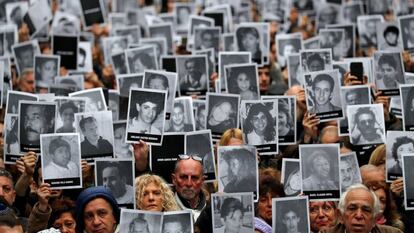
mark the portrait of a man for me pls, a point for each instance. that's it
(194, 77)
(407, 27)
(290, 215)
(389, 70)
(93, 143)
(364, 127)
(115, 178)
(177, 223)
(349, 169)
(61, 165)
(178, 121)
(322, 90)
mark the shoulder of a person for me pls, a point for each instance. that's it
(385, 229)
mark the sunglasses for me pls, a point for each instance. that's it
(194, 157)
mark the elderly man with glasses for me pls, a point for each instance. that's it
(188, 178)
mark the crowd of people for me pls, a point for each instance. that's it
(373, 189)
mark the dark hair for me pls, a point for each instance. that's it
(114, 165)
(145, 59)
(314, 57)
(323, 77)
(398, 142)
(191, 60)
(147, 97)
(387, 59)
(241, 32)
(152, 76)
(179, 105)
(140, 220)
(67, 105)
(229, 206)
(255, 109)
(232, 115)
(85, 120)
(361, 111)
(233, 83)
(269, 184)
(283, 107)
(56, 143)
(60, 207)
(204, 32)
(391, 29)
(9, 220)
(6, 173)
(82, 51)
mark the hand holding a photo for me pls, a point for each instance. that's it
(24, 33)
(27, 163)
(397, 186)
(86, 169)
(141, 155)
(43, 194)
(350, 80)
(385, 101)
(310, 126)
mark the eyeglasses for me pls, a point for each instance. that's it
(194, 157)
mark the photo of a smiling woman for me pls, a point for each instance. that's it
(259, 127)
(243, 81)
(222, 115)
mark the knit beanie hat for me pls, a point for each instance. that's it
(88, 195)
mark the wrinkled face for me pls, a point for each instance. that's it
(113, 182)
(366, 123)
(321, 167)
(235, 166)
(265, 207)
(291, 221)
(222, 112)
(322, 91)
(178, 116)
(404, 148)
(34, 123)
(233, 221)
(68, 117)
(7, 190)
(322, 215)
(173, 227)
(147, 112)
(359, 211)
(188, 179)
(65, 223)
(259, 122)
(48, 70)
(250, 42)
(61, 156)
(151, 198)
(157, 84)
(346, 173)
(91, 131)
(99, 217)
(389, 75)
(243, 82)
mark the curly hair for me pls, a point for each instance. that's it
(168, 200)
(233, 86)
(398, 142)
(255, 109)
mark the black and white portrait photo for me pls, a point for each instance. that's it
(61, 162)
(200, 114)
(182, 117)
(67, 107)
(118, 61)
(97, 138)
(388, 71)
(249, 39)
(408, 172)
(229, 42)
(327, 13)
(178, 221)
(160, 44)
(211, 61)
(162, 80)
(230, 58)
(141, 59)
(323, 94)
(291, 177)
(24, 54)
(366, 124)
(15, 12)
(407, 31)
(232, 212)
(13, 99)
(320, 171)
(407, 97)
(352, 95)
(350, 12)
(182, 11)
(286, 115)
(312, 60)
(67, 47)
(122, 149)
(133, 221)
(199, 143)
(378, 7)
(46, 68)
(348, 43)
(389, 36)
(113, 45)
(222, 113)
(311, 43)
(398, 143)
(95, 100)
(196, 21)
(65, 23)
(237, 169)
(287, 44)
(113, 104)
(163, 30)
(242, 79)
(132, 33)
(294, 70)
(128, 81)
(92, 12)
(146, 115)
(38, 16)
(207, 37)
(117, 175)
(10, 37)
(35, 118)
(367, 28)
(334, 39)
(349, 170)
(192, 74)
(259, 124)
(85, 57)
(290, 214)
(71, 82)
(11, 144)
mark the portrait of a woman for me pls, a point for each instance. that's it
(285, 121)
(232, 215)
(222, 116)
(248, 39)
(259, 127)
(46, 69)
(240, 82)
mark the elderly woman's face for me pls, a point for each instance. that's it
(321, 166)
(265, 206)
(222, 112)
(322, 215)
(151, 198)
(259, 122)
(233, 221)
